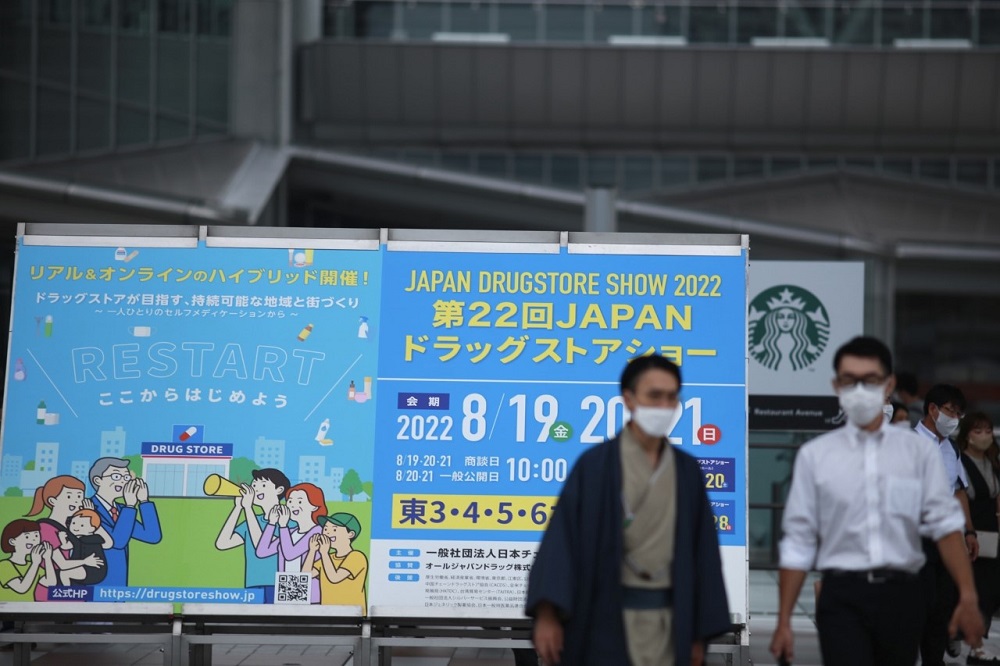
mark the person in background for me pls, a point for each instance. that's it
(981, 459)
(861, 497)
(944, 405)
(900, 414)
(908, 393)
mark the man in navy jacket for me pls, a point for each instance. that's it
(603, 594)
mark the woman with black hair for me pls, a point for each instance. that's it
(981, 458)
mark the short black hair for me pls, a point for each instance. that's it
(640, 364)
(865, 346)
(898, 407)
(907, 381)
(941, 395)
(275, 476)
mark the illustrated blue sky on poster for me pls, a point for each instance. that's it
(188, 363)
(502, 368)
(240, 345)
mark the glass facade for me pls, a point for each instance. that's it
(90, 76)
(84, 77)
(875, 23)
(181, 477)
(646, 172)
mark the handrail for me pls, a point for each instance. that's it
(775, 506)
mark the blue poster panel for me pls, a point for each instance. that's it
(246, 424)
(189, 424)
(496, 370)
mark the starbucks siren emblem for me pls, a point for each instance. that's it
(787, 325)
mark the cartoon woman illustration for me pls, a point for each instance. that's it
(304, 505)
(786, 334)
(63, 495)
(30, 563)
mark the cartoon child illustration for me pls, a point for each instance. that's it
(135, 519)
(266, 491)
(86, 538)
(304, 505)
(29, 564)
(341, 570)
(63, 496)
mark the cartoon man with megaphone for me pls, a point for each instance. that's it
(134, 518)
(265, 491)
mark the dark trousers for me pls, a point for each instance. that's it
(987, 575)
(940, 596)
(869, 624)
(525, 657)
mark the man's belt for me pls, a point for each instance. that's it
(871, 575)
(644, 598)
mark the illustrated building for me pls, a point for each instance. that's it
(10, 471)
(269, 453)
(46, 464)
(179, 470)
(113, 443)
(80, 469)
(312, 469)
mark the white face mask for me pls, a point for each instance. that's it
(654, 421)
(946, 425)
(886, 414)
(862, 404)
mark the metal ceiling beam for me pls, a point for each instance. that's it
(47, 191)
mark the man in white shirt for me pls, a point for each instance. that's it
(944, 406)
(861, 497)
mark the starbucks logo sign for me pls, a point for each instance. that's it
(788, 328)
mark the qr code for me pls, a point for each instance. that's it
(292, 588)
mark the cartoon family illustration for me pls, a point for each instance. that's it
(82, 541)
(295, 537)
(68, 539)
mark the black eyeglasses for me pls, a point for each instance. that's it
(850, 381)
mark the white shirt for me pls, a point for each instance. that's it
(859, 500)
(107, 505)
(294, 565)
(953, 467)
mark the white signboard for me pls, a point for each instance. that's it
(800, 312)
